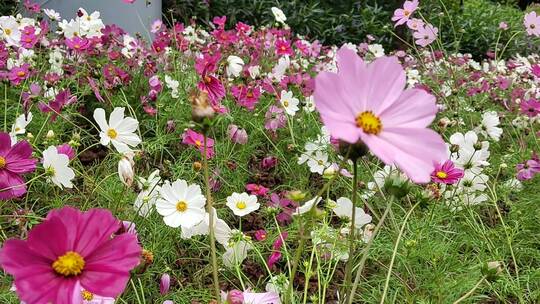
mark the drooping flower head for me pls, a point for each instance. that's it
(14, 162)
(368, 102)
(69, 250)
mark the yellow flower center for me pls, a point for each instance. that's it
(181, 206)
(369, 123)
(198, 143)
(406, 13)
(87, 295)
(320, 162)
(241, 205)
(441, 174)
(7, 32)
(70, 264)
(112, 133)
(3, 162)
(286, 103)
(21, 73)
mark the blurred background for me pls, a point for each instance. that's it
(472, 28)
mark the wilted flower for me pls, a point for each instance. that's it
(164, 284)
(237, 135)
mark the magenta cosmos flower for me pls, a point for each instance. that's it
(195, 139)
(14, 162)
(446, 173)
(402, 15)
(532, 24)
(367, 102)
(69, 250)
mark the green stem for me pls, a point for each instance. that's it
(394, 253)
(366, 250)
(470, 292)
(209, 209)
(348, 268)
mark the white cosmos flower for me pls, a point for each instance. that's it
(57, 169)
(235, 66)
(318, 162)
(306, 207)
(9, 30)
(279, 70)
(464, 141)
(222, 231)
(242, 203)
(376, 49)
(279, 15)
(181, 204)
(309, 104)
(289, 103)
(52, 14)
(254, 71)
(173, 85)
(120, 130)
(19, 127)
(343, 209)
(149, 194)
(490, 126)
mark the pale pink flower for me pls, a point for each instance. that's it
(402, 15)
(425, 35)
(532, 24)
(368, 102)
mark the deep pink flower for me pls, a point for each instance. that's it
(71, 249)
(257, 190)
(214, 87)
(402, 15)
(260, 235)
(446, 173)
(274, 258)
(535, 70)
(19, 74)
(28, 37)
(67, 150)
(246, 96)
(14, 162)
(530, 107)
(283, 47)
(425, 35)
(31, 6)
(368, 102)
(195, 139)
(532, 24)
(63, 98)
(269, 162)
(78, 44)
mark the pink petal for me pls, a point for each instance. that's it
(48, 239)
(415, 108)
(107, 268)
(386, 83)
(19, 158)
(14, 184)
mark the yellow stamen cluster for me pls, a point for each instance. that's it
(69, 264)
(181, 206)
(86, 295)
(112, 133)
(3, 162)
(241, 205)
(369, 122)
(441, 174)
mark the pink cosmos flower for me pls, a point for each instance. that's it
(532, 24)
(425, 35)
(246, 96)
(415, 24)
(367, 102)
(446, 173)
(237, 135)
(530, 107)
(528, 169)
(71, 249)
(402, 15)
(535, 70)
(214, 87)
(195, 139)
(274, 258)
(67, 150)
(14, 162)
(257, 190)
(260, 235)
(248, 297)
(19, 74)
(283, 47)
(63, 98)
(78, 44)
(503, 26)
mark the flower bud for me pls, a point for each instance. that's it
(237, 135)
(164, 284)
(50, 134)
(492, 270)
(125, 169)
(296, 195)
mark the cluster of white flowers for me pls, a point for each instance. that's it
(172, 85)
(11, 28)
(315, 154)
(56, 60)
(84, 25)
